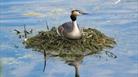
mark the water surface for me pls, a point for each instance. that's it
(115, 18)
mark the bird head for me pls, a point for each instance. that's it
(78, 13)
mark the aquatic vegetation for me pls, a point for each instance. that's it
(71, 51)
(91, 42)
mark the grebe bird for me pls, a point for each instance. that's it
(70, 30)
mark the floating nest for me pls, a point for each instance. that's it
(71, 51)
(92, 41)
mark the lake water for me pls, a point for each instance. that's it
(115, 18)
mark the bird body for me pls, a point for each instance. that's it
(70, 30)
(75, 33)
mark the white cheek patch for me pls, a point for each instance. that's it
(76, 13)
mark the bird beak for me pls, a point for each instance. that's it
(85, 13)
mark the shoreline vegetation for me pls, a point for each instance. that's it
(0, 68)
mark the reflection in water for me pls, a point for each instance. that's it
(76, 65)
(71, 51)
(73, 60)
(76, 59)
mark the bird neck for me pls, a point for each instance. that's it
(74, 22)
(75, 25)
(73, 18)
